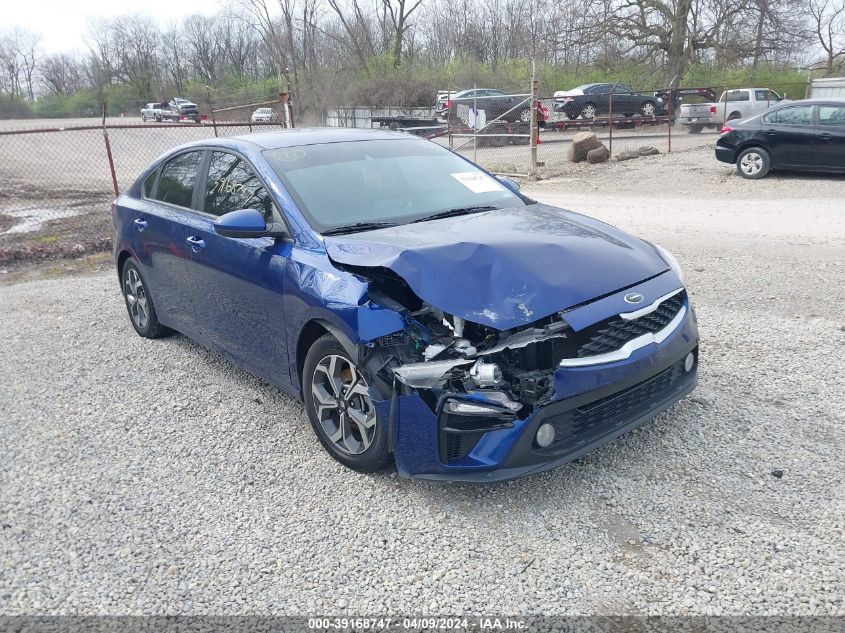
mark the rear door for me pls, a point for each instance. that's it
(160, 231)
(791, 136)
(830, 136)
(600, 96)
(238, 282)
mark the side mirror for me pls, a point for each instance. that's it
(246, 223)
(510, 184)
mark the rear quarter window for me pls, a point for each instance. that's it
(796, 115)
(178, 179)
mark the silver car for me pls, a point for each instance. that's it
(263, 115)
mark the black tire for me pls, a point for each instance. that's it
(734, 116)
(494, 138)
(649, 108)
(522, 140)
(695, 129)
(525, 116)
(139, 300)
(753, 163)
(158, 118)
(371, 441)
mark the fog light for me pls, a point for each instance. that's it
(689, 361)
(545, 435)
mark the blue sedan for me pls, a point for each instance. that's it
(425, 311)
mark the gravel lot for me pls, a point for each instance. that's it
(145, 477)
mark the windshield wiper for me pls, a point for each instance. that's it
(358, 226)
(449, 213)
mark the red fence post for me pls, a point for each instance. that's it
(109, 154)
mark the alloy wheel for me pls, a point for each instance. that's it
(525, 116)
(648, 109)
(343, 405)
(589, 111)
(136, 297)
(751, 164)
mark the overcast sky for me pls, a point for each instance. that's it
(64, 23)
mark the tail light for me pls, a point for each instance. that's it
(712, 109)
(448, 104)
(726, 129)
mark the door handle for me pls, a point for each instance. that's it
(825, 136)
(771, 132)
(141, 224)
(196, 243)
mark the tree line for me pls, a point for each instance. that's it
(397, 52)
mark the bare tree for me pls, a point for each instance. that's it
(61, 74)
(399, 11)
(828, 23)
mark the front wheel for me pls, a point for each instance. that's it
(648, 108)
(753, 163)
(340, 407)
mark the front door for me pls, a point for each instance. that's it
(237, 283)
(830, 137)
(160, 231)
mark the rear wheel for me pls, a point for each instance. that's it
(753, 163)
(589, 111)
(525, 115)
(340, 407)
(139, 302)
(695, 129)
(495, 136)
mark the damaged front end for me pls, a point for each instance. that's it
(463, 394)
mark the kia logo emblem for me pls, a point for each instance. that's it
(634, 297)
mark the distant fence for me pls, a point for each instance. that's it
(57, 191)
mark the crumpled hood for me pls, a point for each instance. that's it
(507, 267)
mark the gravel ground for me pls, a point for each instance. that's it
(153, 477)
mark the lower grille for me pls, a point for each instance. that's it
(597, 418)
(613, 334)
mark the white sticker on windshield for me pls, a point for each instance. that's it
(477, 182)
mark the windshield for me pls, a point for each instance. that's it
(393, 181)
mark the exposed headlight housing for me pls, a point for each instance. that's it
(671, 260)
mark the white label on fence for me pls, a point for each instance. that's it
(477, 182)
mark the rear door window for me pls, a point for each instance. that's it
(232, 185)
(796, 115)
(178, 179)
(736, 95)
(832, 115)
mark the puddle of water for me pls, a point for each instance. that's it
(33, 219)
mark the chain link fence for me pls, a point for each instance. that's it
(58, 182)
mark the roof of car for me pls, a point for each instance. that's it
(316, 135)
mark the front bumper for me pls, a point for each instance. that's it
(592, 406)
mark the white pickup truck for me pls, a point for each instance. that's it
(733, 104)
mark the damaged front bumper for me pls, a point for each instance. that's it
(591, 405)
